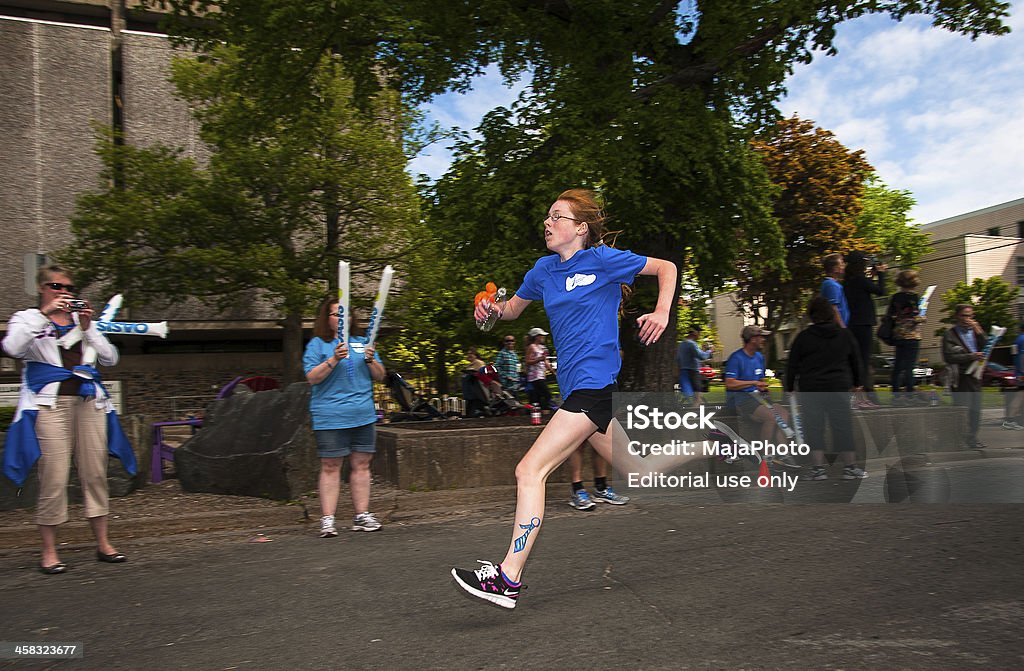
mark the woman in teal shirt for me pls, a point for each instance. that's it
(341, 405)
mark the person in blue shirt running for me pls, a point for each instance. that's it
(835, 268)
(344, 416)
(580, 284)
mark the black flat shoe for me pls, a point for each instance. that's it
(54, 569)
(116, 558)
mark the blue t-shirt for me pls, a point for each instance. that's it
(833, 291)
(1018, 359)
(342, 400)
(581, 297)
(742, 366)
(689, 355)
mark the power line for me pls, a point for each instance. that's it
(974, 251)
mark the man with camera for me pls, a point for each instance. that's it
(864, 278)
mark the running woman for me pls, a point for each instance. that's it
(580, 284)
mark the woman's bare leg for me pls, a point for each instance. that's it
(565, 432)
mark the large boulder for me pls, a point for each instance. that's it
(253, 444)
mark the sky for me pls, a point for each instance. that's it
(935, 113)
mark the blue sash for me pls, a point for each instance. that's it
(21, 447)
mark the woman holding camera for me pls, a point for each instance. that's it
(66, 423)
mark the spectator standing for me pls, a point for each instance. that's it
(343, 413)
(824, 364)
(688, 358)
(860, 285)
(507, 363)
(906, 338)
(832, 289)
(961, 345)
(1015, 403)
(537, 368)
(70, 413)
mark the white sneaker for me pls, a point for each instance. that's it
(1012, 426)
(365, 522)
(854, 473)
(327, 529)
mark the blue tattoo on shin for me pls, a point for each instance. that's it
(521, 541)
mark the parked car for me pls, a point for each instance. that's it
(707, 374)
(883, 371)
(998, 375)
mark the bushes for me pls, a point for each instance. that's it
(6, 415)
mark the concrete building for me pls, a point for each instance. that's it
(70, 66)
(981, 244)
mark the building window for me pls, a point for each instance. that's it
(1020, 229)
(993, 231)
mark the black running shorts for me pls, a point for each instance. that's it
(596, 404)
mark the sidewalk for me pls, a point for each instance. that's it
(163, 510)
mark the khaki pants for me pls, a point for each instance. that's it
(73, 427)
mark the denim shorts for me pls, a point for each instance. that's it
(335, 443)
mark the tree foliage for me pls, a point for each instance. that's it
(650, 102)
(736, 51)
(993, 301)
(884, 222)
(820, 186)
(275, 207)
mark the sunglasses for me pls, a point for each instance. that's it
(509, 341)
(57, 286)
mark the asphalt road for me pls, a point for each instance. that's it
(663, 583)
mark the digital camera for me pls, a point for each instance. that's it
(75, 304)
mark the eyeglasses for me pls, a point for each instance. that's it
(57, 286)
(510, 342)
(556, 216)
(333, 314)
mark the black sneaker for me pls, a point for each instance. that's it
(487, 583)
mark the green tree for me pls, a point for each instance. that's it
(993, 301)
(883, 222)
(820, 186)
(278, 203)
(649, 102)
